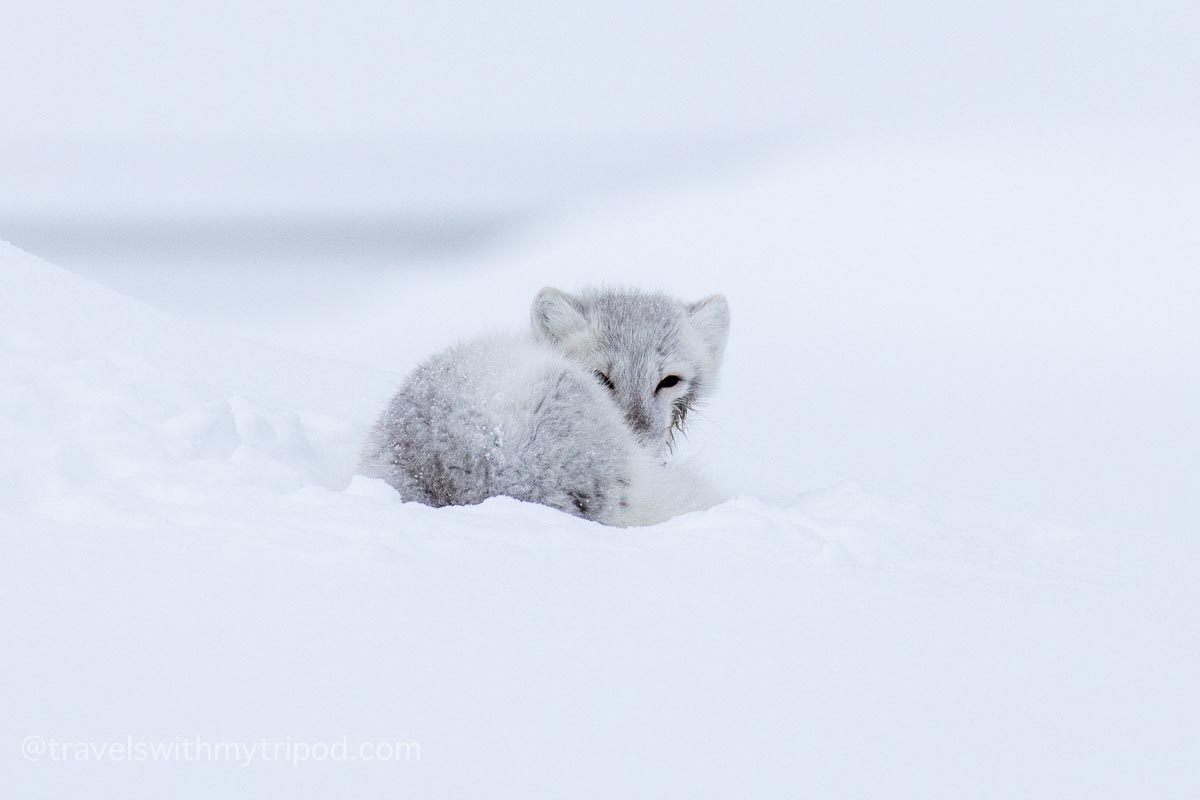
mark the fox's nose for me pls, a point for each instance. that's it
(638, 417)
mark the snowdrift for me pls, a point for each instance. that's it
(190, 556)
(1003, 318)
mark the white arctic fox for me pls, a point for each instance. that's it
(579, 416)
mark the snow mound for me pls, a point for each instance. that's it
(191, 556)
(103, 395)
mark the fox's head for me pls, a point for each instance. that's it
(658, 357)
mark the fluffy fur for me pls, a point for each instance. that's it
(578, 416)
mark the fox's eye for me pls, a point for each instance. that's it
(608, 384)
(668, 382)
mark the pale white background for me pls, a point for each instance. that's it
(959, 407)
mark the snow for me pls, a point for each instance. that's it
(958, 414)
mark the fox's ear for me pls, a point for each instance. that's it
(710, 317)
(556, 315)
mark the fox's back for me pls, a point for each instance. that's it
(504, 416)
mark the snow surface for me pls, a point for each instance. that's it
(1000, 335)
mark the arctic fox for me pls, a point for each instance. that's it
(579, 416)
